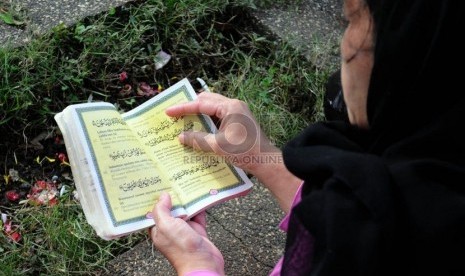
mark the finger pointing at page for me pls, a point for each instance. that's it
(203, 104)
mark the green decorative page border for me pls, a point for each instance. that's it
(80, 111)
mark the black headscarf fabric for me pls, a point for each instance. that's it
(390, 200)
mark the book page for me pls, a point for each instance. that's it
(129, 179)
(197, 176)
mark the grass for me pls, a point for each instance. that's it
(12, 13)
(52, 248)
(210, 39)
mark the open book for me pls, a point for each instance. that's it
(122, 162)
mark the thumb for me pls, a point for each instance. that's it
(199, 140)
(162, 210)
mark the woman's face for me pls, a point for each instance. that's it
(357, 60)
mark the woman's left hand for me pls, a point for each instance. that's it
(184, 243)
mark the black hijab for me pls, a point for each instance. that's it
(390, 200)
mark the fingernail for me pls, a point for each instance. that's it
(149, 215)
(163, 195)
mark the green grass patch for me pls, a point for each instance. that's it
(57, 241)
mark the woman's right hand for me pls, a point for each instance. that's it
(241, 142)
(239, 139)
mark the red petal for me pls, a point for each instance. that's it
(126, 90)
(123, 76)
(15, 236)
(12, 195)
(62, 157)
(41, 184)
(53, 202)
(7, 226)
(144, 89)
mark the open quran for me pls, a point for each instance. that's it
(121, 162)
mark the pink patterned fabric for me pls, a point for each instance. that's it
(202, 273)
(284, 226)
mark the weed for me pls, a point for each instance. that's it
(64, 247)
(12, 13)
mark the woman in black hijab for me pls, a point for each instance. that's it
(391, 199)
(383, 194)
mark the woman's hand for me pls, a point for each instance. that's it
(184, 243)
(239, 140)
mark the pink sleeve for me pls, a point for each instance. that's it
(202, 273)
(298, 196)
(283, 226)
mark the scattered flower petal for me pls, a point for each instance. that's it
(144, 89)
(161, 59)
(63, 190)
(15, 236)
(49, 159)
(24, 201)
(123, 76)
(43, 193)
(62, 157)
(76, 195)
(12, 195)
(41, 184)
(126, 90)
(9, 229)
(7, 226)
